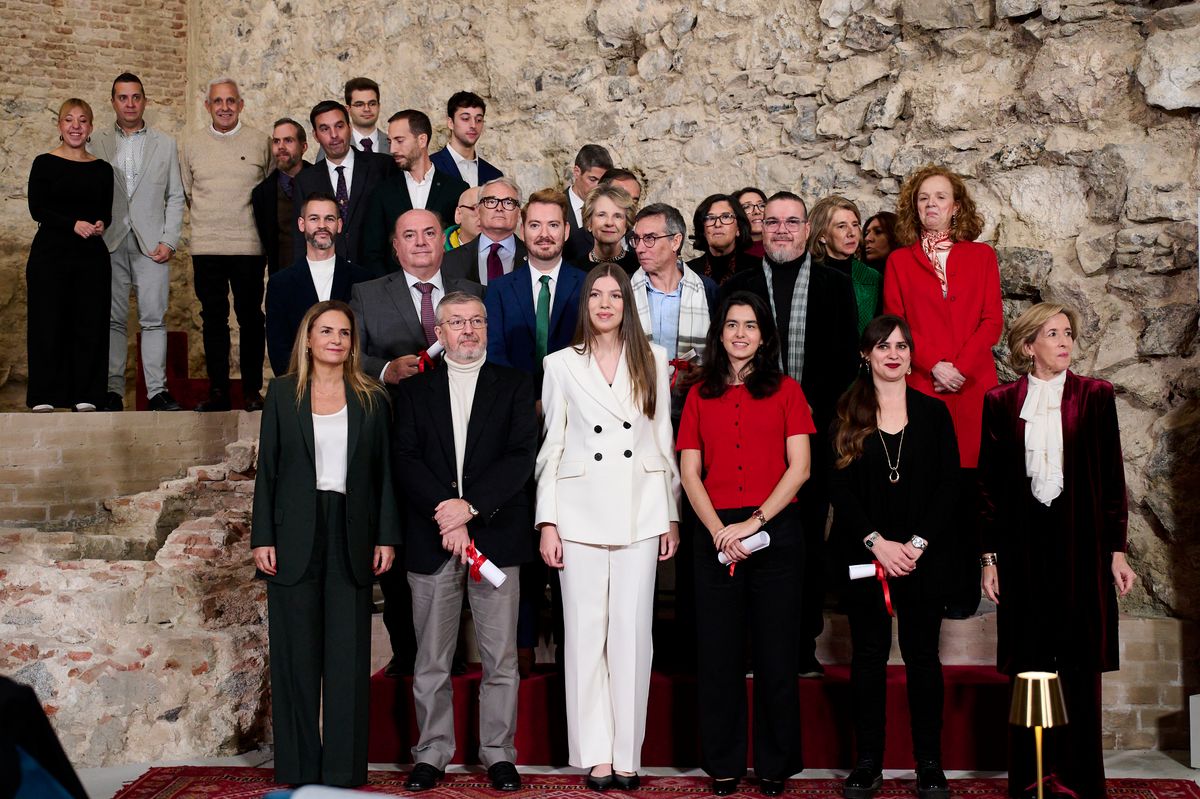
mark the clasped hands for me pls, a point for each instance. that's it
(452, 516)
(898, 560)
(86, 230)
(729, 539)
(947, 378)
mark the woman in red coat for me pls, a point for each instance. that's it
(947, 287)
(1054, 540)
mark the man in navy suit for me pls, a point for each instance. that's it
(464, 118)
(317, 277)
(345, 173)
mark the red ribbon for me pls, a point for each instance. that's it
(477, 561)
(424, 362)
(881, 576)
(680, 365)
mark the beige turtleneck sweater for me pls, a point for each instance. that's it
(463, 377)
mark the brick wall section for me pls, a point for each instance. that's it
(60, 467)
(52, 51)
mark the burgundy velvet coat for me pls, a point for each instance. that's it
(1056, 584)
(960, 327)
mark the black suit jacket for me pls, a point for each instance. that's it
(264, 199)
(464, 261)
(285, 493)
(370, 170)
(290, 293)
(444, 161)
(830, 336)
(389, 201)
(498, 461)
(579, 241)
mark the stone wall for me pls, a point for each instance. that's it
(1075, 122)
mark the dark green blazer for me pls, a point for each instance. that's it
(285, 489)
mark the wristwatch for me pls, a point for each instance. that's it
(918, 542)
(869, 541)
(474, 511)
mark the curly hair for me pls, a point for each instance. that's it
(966, 224)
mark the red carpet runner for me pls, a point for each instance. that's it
(190, 782)
(974, 737)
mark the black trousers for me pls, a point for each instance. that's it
(813, 501)
(920, 625)
(1073, 754)
(761, 590)
(214, 277)
(962, 572)
(320, 632)
(398, 614)
(25, 725)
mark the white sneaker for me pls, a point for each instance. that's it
(84, 407)
(43, 408)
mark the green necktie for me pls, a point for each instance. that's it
(542, 334)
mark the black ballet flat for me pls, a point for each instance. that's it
(598, 783)
(626, 782)
(725, 787)
(770, 787)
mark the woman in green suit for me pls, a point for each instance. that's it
(325, 522)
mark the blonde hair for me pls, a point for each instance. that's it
(75, 102)
(1025, 329)
(965, 225)
(819, 218)
(620, 198)
(365, 389)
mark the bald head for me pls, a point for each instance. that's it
(467, 215)
(417, 242)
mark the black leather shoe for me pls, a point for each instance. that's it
(217, 401)
(397, 669)
(598, 783)
(931, 780)
(864, 780)
(504, 776)
(626, 782)
(423, 777)
(113, 402)
(725, 787)
(254, 401)
(162, 401)
(770, 787)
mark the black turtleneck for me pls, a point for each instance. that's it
(843, 265)
(783, 286)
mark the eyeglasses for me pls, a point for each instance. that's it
(458, 323)
(791, 223)
(719, 220)
(748, 207)
(508, 203)
(365, 104)
(650, 239)
(468, 207)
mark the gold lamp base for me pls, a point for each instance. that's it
(1037, 702)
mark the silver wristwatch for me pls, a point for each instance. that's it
(869, 541)
(474, 512)
(918, 542)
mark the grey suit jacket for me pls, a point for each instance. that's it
(388, 325)
(155, 211)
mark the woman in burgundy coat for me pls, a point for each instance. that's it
(1054, 540)
(947, 287)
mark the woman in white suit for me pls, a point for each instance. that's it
(608, 511)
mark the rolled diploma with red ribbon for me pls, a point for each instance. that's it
(425, 357)
(861, 571)
(682, 364)
(484, 569)
(752, 543)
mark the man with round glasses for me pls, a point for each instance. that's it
(495, 250)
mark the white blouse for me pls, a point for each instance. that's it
(1042, 413)
(330, 436)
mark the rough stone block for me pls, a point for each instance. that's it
(1169, 71)
(946, 14)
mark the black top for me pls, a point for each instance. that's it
(63, 192)
(722, 267)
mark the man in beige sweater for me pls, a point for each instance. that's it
(221, 165)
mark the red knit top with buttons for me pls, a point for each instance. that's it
(743, 440)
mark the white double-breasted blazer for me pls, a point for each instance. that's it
(606, 474)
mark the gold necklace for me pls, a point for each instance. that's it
(893, 468)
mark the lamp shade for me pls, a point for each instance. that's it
(1037, 701)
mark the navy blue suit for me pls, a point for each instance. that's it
(512, 320)
(290, 293)
(444, 161)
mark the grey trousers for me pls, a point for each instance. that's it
(131, 268)
(437, 604)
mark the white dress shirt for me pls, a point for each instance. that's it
(508, 254)
(467, 167)
(435, 297)
(330, 436)
(322, 276)
(535, 275)
(348, 163)
(418, 191)
(357, 139)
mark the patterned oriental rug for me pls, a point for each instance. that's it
(193, 782)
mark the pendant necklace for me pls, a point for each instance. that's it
(893, 468)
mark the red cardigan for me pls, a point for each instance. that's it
(960, 328)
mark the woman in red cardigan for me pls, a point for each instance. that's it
(947, 287)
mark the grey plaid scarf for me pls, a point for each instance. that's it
(798, 319)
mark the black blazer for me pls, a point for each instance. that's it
(389, 201)
(830, 337)
(285, 493)
(290, 293)
(464, 261)
(370, 170)
(501, 447)
(444, 161)
(263, 200)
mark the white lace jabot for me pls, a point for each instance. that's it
(1043, 436)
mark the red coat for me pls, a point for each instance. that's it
(960, 328)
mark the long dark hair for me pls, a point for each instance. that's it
(765, 374)
(858, 407)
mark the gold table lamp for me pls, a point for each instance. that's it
(1037, 702)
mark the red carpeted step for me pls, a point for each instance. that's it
(974, 735)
